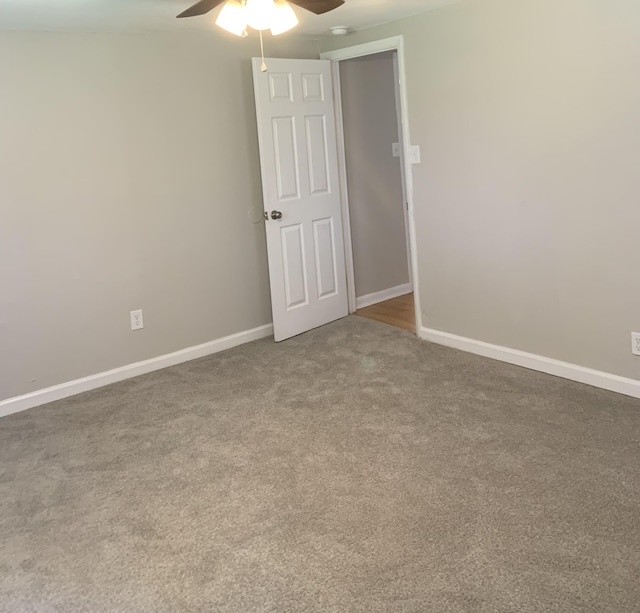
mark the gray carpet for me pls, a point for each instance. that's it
(352, 469)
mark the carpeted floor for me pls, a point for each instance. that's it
(352, 469)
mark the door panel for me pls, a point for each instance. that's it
(317, 154)
(281, 87)
(298, 159)
(313, 87)
(325, 257)
(284, 142)
(295, 273)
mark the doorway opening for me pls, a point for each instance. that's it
(398, 312)
(373, 152)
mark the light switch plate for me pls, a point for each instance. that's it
(395, 147)
(414, 154)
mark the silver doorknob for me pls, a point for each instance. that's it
(275, 215)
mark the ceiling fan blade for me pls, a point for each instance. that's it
(318, 6)
(200, 8)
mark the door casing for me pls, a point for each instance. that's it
(395, 43)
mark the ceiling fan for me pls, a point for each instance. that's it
(275, 15)
(315, 6)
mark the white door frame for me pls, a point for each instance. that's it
(395, 43)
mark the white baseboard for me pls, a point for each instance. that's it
(71, 388)
(386, 294)
(596, 378)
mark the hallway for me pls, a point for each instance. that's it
(398, 312)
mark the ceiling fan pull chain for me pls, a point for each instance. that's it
(264, 66)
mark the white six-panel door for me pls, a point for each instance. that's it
(298, 157)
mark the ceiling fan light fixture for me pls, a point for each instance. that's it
(232, 18)
(284, 18)
(237, 15)
(260, 13)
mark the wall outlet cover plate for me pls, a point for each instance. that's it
(137, 323)
(414, 154)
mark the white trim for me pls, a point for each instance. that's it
(344, 189)
(405, 206)
(385, 294)
(71, 388)
(394, 43)
(573, 372)
(375, 46)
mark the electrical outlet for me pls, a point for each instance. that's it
(136, 320)
(635, 343)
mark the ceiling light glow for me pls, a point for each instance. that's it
(237, 15)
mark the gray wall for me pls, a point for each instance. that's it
(373, 174)
(528, 195)
(128, 164)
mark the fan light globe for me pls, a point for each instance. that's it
(232, 18)
(260, 14)
(283, 18)
(276, 15)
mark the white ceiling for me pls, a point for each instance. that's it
(117, 15)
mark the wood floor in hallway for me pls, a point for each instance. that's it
(398, 312)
